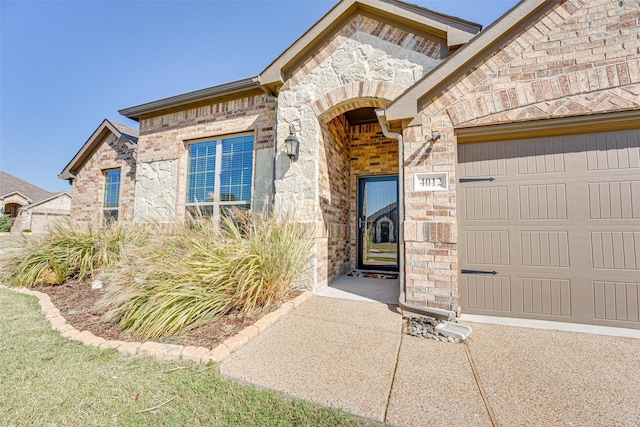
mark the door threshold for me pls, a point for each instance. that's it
(373, 274)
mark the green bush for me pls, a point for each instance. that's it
(65, 252)
(5, 223)
(195, 273)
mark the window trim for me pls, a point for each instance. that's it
(105, 209)
(217, 204)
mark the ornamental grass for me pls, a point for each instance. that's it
(68, 252)
(196, 272)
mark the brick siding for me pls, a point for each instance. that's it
(582, 57)
(89, 182)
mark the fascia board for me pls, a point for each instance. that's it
(218, 91)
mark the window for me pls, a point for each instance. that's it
(111, 195)
(220, 175)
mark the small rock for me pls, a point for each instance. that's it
(96, 284)
(450, 339)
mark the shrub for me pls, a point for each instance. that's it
(196, 273)
(65, 252)
(5, 223)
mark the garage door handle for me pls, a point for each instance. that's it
(477, 179)
(478, 272)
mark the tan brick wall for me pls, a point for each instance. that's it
(164, 138)
(581, 58)
(88, 185)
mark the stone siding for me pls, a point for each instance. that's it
(367, 63)
(88, 185)
(581, 58)
(162, 152)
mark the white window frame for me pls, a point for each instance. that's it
(217, 204)
(105, 208)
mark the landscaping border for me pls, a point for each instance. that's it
(159, 350)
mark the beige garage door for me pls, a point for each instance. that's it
(550, 228)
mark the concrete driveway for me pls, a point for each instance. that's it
(352, 355)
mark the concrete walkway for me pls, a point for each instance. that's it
(352, 355)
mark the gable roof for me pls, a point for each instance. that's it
(10, 184)
(127, 135)
(406, 106)
(454, 30)
(52, 196)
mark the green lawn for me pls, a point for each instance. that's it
(47, 380)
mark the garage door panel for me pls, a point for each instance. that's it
(614, 200)
(617, 301)
(561, 229)
(546, 296)
(544, 248)
(615, 250)
(486, 247)
(488, 292)
(540, 155)
(613, 150)
(486, 204)
(543, 201)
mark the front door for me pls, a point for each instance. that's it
(378, 223)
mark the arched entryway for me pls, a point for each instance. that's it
(358, 167)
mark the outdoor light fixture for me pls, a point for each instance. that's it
(292, 144)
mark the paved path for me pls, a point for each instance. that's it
(351, 355)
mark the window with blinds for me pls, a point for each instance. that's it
(111, 195)
(220, 175)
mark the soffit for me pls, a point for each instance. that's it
(420, 20)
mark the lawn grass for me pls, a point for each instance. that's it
(47, 380)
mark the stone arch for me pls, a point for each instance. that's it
(377, 94)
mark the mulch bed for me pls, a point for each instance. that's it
(76, 302)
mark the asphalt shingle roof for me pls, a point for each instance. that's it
(10, 184)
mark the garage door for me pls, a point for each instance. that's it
(550, 228)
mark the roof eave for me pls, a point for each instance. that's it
(223, 90)
(68, 172)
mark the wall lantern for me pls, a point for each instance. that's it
(292, 144)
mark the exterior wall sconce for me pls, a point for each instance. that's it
(292, 144)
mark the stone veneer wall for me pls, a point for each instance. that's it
(88, 184)
(582, 57)
(162, 153)
(366, 63)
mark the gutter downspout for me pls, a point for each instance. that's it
(271, 98)
(437, 313)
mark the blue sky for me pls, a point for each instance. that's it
(67, 65)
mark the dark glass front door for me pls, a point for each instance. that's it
(378, 223)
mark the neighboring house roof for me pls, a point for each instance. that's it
(406, 106)
(48, 199)
(10, 184)
(127, 135)
(453, 30)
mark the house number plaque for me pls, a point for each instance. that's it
(435, 181)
